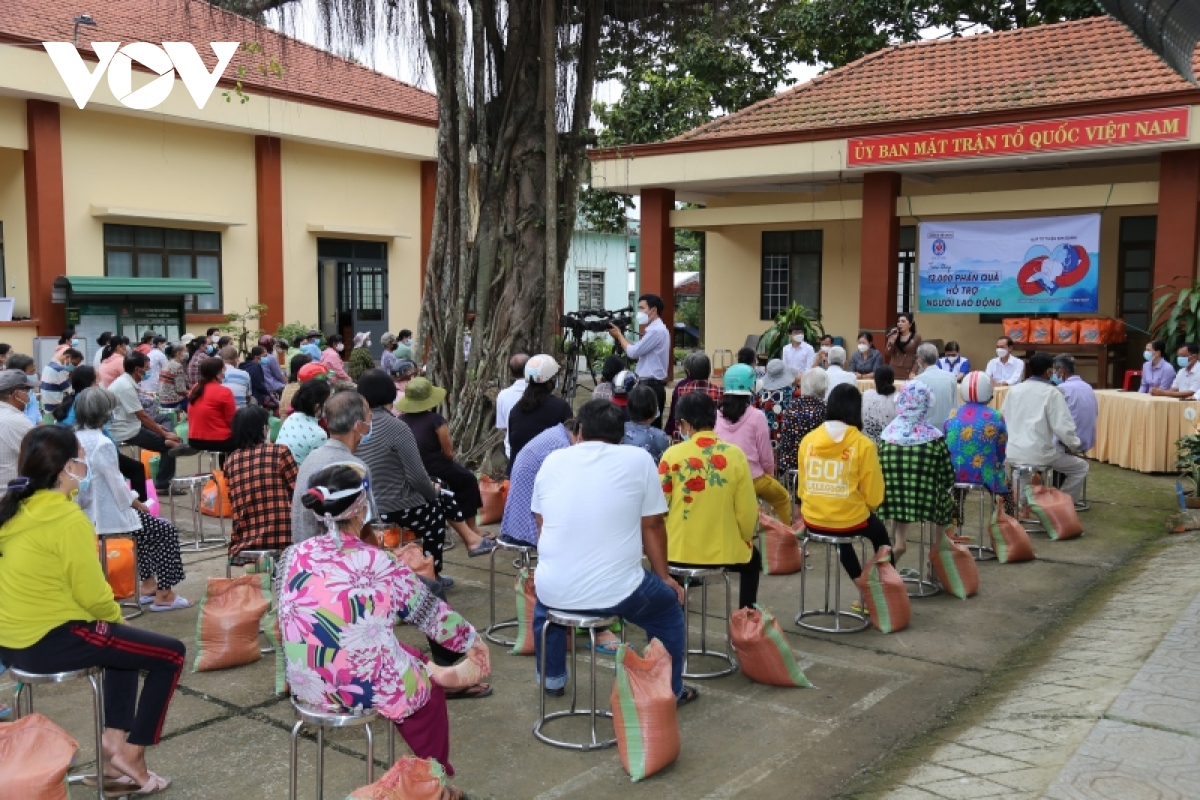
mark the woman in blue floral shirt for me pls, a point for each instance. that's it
(977, 437)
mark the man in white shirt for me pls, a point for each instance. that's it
(836, 372)
(507, 398)
(15, 395)
(942, 385)
(1036, 414)
(132, 425)
(1005, 369)
(652, 351)
(235, 380)
(158, 360)
(1187, 379)
(797, 353)
(590, 543)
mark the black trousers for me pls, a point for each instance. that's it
(133, 471)
(748, 576)
(149, 440)
(875, 531)
(660, 394)
(125, 652)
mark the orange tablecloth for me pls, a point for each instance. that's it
(1138, 432)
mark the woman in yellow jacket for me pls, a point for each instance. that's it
(712, 510)
(840, 480)
(57, 612)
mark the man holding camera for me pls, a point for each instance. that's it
(652, 351)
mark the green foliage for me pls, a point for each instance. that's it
(604, 212)
(688, 311)
(771, 343)
(1188, 462)
(293, 331)
(238, 326)
(1175, 317)
(266, 67)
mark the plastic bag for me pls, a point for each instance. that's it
(955, 567)
(526, 600)
(214, 499)
(644, 712)
(121, 565)
(230, 613)
(1066, 331)
(1041, 331)
(152, 504)
(1017, 329)
(1055, 509)
(410, 778)
(763, 654)
(494, 493)
(1091, 331)
(885, 593)
(150, 462)
(35, 755)
(781, 553)
(1010, 541)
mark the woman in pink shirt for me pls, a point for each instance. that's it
(113, 364)
(331, 357)
(740, 423)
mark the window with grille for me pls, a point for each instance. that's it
(139, 251)
(591, 289)
(1135, 270)
(791, 271)
(906, 283)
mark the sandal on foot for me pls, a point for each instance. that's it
(483, 548)
(111, 782)
(860, 608)
(146, 600)
(473, 692)
(607, 648)
(176, 604)
(153, 785)
(690, 693)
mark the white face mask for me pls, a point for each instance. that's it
(643, 318)
(1001, 352)
(798, 338)
(953, 359)
(340, 347)
(824, 348)
(862, 348)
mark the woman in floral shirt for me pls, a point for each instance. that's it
(338, 600)
(978, 437)
(803, 415)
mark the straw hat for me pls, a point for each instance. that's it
(420, 395)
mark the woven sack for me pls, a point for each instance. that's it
(1041, 331)
(270, 629)
(214, 498)
(1066, 331)
(885, 593)
(415, 557)
(1010, 541)
(1055, 509)
(644, 713)
(35, 755)
(1017, 329)
(410, 778)
(494, 494)
(526, 600)
(762, 653)
(781, 553)
(955, 566)
(467, 672)
(122, 566)
(227, 628)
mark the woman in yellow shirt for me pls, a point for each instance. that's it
(57, 612)
(712, 510)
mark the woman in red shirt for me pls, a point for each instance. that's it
(210, 410)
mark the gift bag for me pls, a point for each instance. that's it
(1017, 329)
(644, 713)
(1091, 331)
(1041, 331)
(230, 613)
(214, 499)
(885, 593)
(1010, 541)
(1055, 510)
(121, 565)
(410, 778)
(1066, 331)
(777, 543)
(955, 566)
(526, 600)
(152, 504)
(494, 493)
(763, 654)
(35, 755)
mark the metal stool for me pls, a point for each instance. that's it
(1082, 503)
(571, 621)
(136, 605)
(526, 553)
(924, 584)
(833, 576)
(699, 577)
(95, 676)
(961, 492)
(194, 485)
(312, 717)
(256, 555)
(1021, 475)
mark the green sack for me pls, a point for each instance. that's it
(276, 423)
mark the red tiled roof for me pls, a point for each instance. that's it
(1090, 60)
(310, 75)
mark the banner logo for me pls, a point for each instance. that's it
(163, 61)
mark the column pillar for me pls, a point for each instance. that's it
(44, 224)
(880, 247)
(429, 172)
(658, 250)
(268, 175)
(1178, 235)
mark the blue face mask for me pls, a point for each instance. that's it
(69, 367)
(1182, 361)
(367, 438)
(210, 349)
(1055, 380)
(86, 480)
(1147, 355)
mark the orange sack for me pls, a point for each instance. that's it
(1066, 331)
(777, 543)
(121, 565)
(955, 567)
(1055, 509)
(410, 778)
(214, 498)
(885, 593)
(494, 493)
(1010, 541)
(643, 707)
(763, 654)
(227, 632)
(1041, 331)
(35, 755)
(1017, 329)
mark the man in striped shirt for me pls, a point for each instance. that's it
(235, 380)
(518, 526)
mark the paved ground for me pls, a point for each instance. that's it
(876, 696)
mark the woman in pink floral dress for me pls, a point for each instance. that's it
(338, 600)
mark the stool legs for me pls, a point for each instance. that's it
(573, 676)
(923, 585)
(832, 606)
(97, 685)
(493, 626)
(295, 755)
(295, 759)
(703, 650)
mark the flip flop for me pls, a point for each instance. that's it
(607, 648)
(690, 694)
(475, 691)
(859, 608)
(177, 603)
(153, 785)
(484, 547)
(146, 599)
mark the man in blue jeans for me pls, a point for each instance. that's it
(598, 507)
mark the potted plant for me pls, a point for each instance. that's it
(1188, 464)
(1175, 316)
(770, 344)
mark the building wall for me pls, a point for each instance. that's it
(350, 191)
(12, 215)
(598, 251)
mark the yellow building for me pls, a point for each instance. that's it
(816, 195)
(308, 190)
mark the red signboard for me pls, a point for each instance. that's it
(1074, 133)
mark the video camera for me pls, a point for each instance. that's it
(596, 321)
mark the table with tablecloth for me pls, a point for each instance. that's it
(1138, 432)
